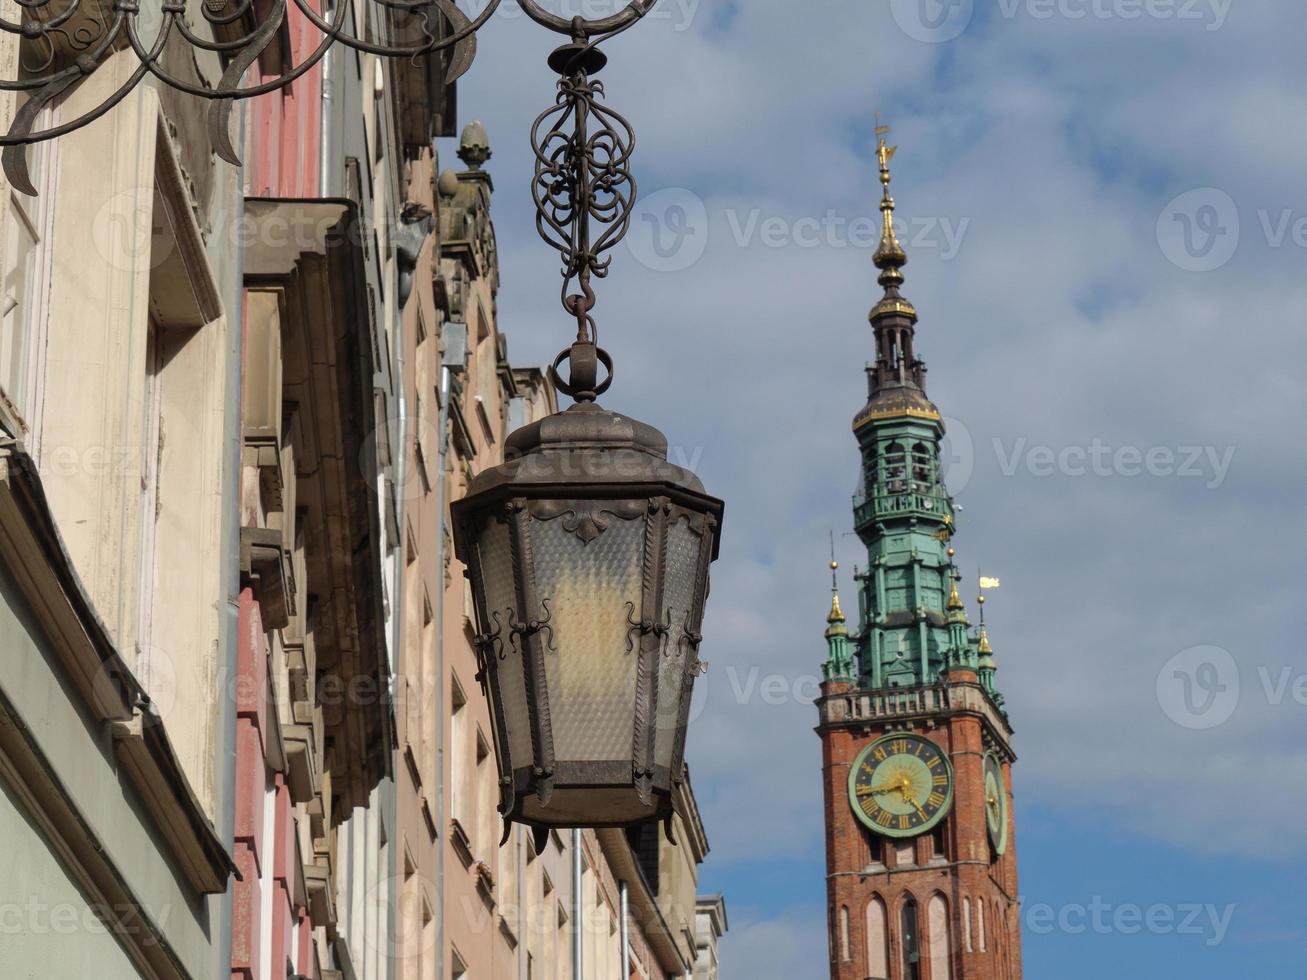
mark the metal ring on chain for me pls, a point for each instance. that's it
(581, 384)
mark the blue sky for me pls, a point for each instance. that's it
(1102, 205)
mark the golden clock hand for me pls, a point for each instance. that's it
(878, 790)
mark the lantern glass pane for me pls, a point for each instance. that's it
(591, 587)
(681, 578)
(496, 557)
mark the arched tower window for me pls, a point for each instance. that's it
(940, 938)
(966, 925)
(896, 468)
(923, 468)
(999, 939)
(980, 924)
(877, 940)
(845, 954)
(910, 939)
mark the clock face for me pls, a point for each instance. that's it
(901, 785)
(995, 803)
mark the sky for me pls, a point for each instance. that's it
(1102, 205)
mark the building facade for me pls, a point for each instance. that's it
(916, 743)
(119, 547)
(242, 733)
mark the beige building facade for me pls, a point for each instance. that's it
(242, 732)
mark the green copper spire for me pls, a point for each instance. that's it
(912, 626)
(839, 664)
(986, 666)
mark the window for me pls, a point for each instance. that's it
(877, 941)
(911, 941)
(923, 469)
(875, 847)
(487, 799)
(427, 686)
(845, 955)
(151, 448)
(896, 468)
(935, 844)
(26, 276)
(458, 754)
(940, 938)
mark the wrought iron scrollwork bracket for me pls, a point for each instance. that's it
(646, 627)
(489, 647)
(65, 41)
(584, 189)
(521, 632)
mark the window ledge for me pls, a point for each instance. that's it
(462, 842)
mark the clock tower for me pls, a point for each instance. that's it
(916, 745)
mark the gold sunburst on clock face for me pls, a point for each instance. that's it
(901, 785)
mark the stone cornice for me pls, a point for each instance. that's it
(860, 708)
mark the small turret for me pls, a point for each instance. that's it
(986, 666)
(839, 660)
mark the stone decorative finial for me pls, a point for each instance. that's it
(474, 147)
(448, 183)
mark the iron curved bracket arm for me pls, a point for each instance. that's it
(633, 12)
(54, 58)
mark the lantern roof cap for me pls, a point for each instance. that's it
(586, 425)
(590, 451)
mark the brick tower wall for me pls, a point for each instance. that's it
(863, 867)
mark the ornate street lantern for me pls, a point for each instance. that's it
(587, 550)
(588, 553)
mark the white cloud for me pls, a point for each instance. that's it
(1059, 321)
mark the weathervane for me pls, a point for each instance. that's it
(884, 152)
(984, 582)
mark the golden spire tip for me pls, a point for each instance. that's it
(889, 254)
(836, 613)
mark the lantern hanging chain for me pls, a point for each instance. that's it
(584, 193)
